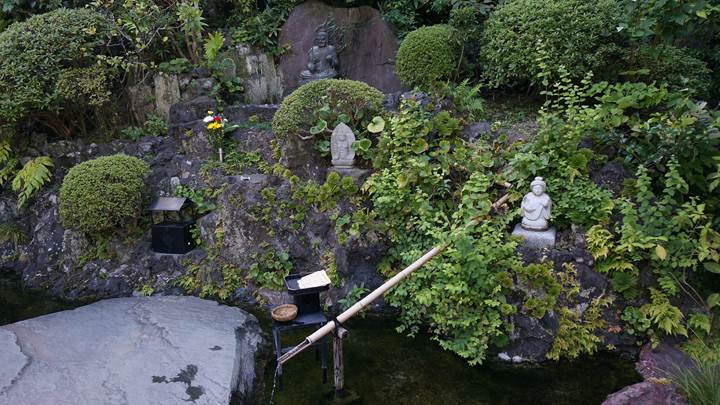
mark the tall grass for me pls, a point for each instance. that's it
(700, 385)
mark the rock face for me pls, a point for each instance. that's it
(261, 80)
(57, 259)
(532, 338)
(662, 361)
(159, 350)
(368, 57)
(167, 93)
(645, 393)
(656, 365)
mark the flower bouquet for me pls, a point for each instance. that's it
(216, 131)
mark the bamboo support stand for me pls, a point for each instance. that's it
(341, 332)
(338, 367)
(378, 292)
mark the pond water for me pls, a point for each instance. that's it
(17, 303)
(384, 367)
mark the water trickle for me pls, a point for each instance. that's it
(275, 378)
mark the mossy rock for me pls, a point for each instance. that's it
(356, 99)
(428, 55)
(103, 195)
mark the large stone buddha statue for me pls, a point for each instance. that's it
(322, 60)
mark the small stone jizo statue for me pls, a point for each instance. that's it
(536, 207)
(341, 149)
(535, 230)
(322, 60)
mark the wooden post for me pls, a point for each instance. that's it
(338, 369)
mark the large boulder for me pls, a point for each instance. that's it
(371, 45)
(159, 350)
(657, 366)
(646, 393)
(662, 361)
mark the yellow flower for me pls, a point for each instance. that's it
(214, 125)
(210, 113)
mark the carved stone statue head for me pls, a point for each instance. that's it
(321, 38)
(538, 186)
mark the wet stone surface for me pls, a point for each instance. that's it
(152, 350)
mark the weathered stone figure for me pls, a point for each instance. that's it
(322, 60)
(341, 149)
(536, 207)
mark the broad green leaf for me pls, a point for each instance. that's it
(420, 146)
(230, 128)
(320, 127)
(376, 126)
(362, 145)
(342, 117)
(401, 180)
(661, 252)
(712, 267)
(713, 300)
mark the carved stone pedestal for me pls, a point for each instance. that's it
(535, 239)
(359, 175)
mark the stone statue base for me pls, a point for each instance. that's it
(535, 239)
(359, 175)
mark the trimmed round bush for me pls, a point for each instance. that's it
(676, 67)
(573, 33)
(103, 195)
(356, 99)
(40, 54)
(428, 55)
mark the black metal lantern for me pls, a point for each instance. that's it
(172, 234)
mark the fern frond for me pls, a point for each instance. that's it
(7, 171)
(31, 178)
(5, 151)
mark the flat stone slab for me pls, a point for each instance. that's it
(12, 359)
(535, 239)
(145, 350)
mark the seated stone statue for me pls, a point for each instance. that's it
(536, 207)
(322, 60)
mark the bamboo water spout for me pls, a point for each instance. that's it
(378, 292)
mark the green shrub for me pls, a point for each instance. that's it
(103, 195)
(428, 55)
(296, 114)
(676, 67)
(573, 33)
(46, 66)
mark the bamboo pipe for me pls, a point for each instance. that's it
(368, 299)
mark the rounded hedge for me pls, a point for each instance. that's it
(103, 195)
(296, 112)
(573, 33)
(428, 55)
(676, 67)
(36, 52)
